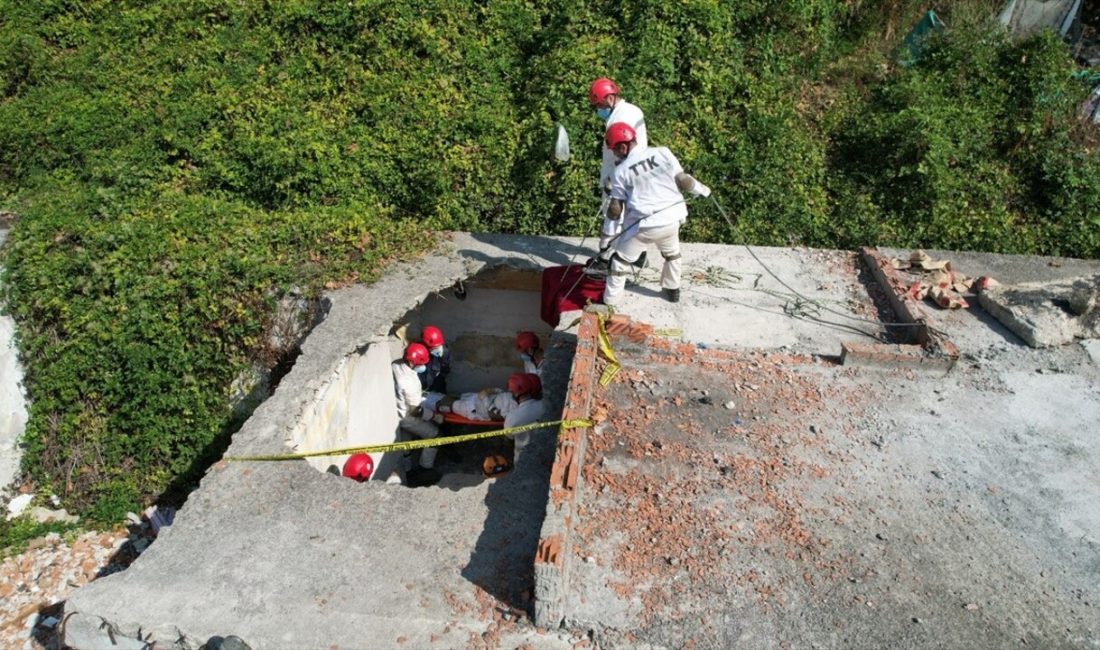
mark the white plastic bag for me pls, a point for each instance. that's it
(561, 146)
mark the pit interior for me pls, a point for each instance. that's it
(480, 318)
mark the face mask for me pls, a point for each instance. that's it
(420, 369)
(604, 113)
(437, 351)
(523, 356)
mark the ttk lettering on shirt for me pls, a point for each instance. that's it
(646, 165)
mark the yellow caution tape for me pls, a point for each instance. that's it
(421, 443)
(668, 332)
(613, 366)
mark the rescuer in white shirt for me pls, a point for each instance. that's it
(527, 389)
(647, 196)
(530, 352)
(416, 416)
(603, 94)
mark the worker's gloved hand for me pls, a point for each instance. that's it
(437, 418)
(427, 414)
(700, 190)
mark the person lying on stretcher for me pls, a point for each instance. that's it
(488, 404)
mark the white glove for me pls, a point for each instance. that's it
(700, 190)
(427, 414)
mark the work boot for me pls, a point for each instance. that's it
(597, 267)
(673, 295)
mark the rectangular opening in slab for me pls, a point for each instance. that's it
(479, 318)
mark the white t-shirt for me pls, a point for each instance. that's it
(529, 366)
(527, 412)
(406, 384)
(645, 181)
(624, 111)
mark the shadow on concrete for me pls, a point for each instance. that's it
(503, 559)
(995, 326)
(530, 249)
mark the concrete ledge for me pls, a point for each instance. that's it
(878, 355)
(552, 559)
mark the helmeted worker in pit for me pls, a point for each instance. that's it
(604, 96)
(530, 352)
(527, 389)
(647, 196)
(439, 362)
(416, 417)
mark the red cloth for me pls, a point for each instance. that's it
(566, 288)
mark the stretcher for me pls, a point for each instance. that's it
(455, 418)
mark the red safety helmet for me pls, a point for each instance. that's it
(416, 354)
(525, 383)
(618, 133)
(600, 89)
(526, 341)
(359, 467)
(432, 336)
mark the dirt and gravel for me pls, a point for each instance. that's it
(35, 583)
(746, 499)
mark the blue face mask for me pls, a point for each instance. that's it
(420, 369)
(436, 351)
(604, 113)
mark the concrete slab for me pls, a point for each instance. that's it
(749, 500)
(286, 556)
(730, 299)
(1046, 314)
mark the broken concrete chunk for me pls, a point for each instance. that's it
(17, 505)
(1047, 314)
(45, 515)
(1092, 346)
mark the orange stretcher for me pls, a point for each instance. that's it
(455, 418)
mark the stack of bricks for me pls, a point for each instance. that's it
(552, 557)
(621, 325)
(924, 350)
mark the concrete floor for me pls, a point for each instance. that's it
(285, 556)
(840, 507)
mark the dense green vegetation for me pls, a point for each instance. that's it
(179, 165)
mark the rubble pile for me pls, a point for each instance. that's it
(703, 460)
(35, 584)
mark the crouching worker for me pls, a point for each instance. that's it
(416, 418)
(530, 352)
(647, 194)
(439, 361)
(526, 388)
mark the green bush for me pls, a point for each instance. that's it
(971, 148)
(180, 165)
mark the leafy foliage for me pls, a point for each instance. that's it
(15, 534)
(180, 165)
